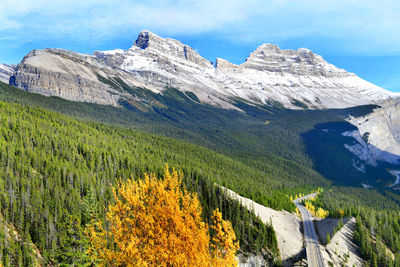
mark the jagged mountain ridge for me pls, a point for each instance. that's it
(296, 79)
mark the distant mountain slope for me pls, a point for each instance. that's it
(378, 133)
(6, 71)
(299, 147)
(295, 79)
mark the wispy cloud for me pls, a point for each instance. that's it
(362, 26)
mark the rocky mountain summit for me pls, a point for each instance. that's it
(270, 75)
(6, 71)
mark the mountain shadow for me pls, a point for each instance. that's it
(325, 145)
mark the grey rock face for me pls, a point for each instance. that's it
(6, 71)
(381, 132)
(221, 63)
(268, 57)
(143, 40)
(294, 78)
(170, 47)
(54, 72)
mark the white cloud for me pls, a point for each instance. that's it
(360, 26)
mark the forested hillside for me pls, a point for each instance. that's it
(269, 138)
(378, 220)
(56, 170)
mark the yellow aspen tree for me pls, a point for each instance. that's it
(322, 213)
(156, 223)
(223, 246)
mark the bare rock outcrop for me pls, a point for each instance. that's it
(378, 134)
(269, 57)
(285, 224)
(342, 250)
(65, 74)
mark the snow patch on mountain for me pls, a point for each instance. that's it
(395, 173)
(295, 78)
(5, 72)
(361, 149)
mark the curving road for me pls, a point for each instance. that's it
(314, 255)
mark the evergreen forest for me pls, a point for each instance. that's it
(59, 159)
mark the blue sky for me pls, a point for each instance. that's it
(359, 36)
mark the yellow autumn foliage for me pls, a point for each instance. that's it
(158, 223)
(310, 207)
(222, 246)
(297, 211)
(322, 213)
(319, 213)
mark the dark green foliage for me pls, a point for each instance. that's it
(328, 238)
(325, 140)
(299, 104)
(378, 219)
(192, 96)
(253, 235)
(265, 153)
(15, 249)
(111, 83)
(72, 243)
(372, 248)
(55, 176)
(245, 139)
(90, 206)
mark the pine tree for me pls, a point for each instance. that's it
(72, 243)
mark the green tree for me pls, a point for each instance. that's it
(328, 238)
(73, 243)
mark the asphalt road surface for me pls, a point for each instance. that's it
(314, 256)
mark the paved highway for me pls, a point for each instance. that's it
(314, 256)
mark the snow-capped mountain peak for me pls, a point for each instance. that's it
(269, 57)
(296, 78)
(153, 43)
